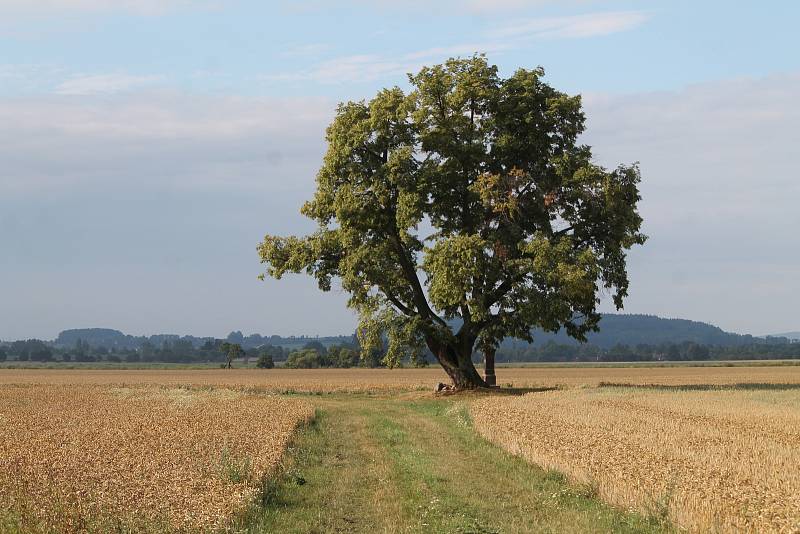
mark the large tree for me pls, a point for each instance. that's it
(464, 212)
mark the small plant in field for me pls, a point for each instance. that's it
(658, 509)
(235, 469)
(554, 475)
(589, 489)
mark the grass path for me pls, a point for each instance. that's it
(413, 464)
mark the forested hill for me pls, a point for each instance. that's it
(632, 330)
(788, 335)
(615, 329)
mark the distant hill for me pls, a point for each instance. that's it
(97, 337)
(795, 336)
(615, 329)
(629, 329)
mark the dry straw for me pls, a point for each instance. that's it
(378, 380)
(182, 459)
(710, 460)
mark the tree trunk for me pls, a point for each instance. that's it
(457, 363)
(488, 359)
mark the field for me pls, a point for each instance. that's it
(700, 448)
(389, 380)
(72, 456)
(713, 460)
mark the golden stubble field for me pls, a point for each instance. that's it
(186, 448)
(714, 460)
(389, 380)
(77, 457)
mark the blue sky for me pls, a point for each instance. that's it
(350, 48)
(148, 145)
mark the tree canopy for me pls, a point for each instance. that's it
(463, 212)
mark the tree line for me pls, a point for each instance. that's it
(311, 355)
(684, 351)
(314, 354)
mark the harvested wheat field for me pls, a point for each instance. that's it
(712, 459)
(175, 458)
(389, 380)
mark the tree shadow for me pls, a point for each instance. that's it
(747, 386)
(514, 391)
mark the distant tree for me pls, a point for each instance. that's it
(265, 361)
(553, 352)
(697, 352)
(80, 352)
(315, 345)
(421, 360)
(236, 337)
(277, 353)
(673, 352)
(3, 355)
(342, 356)
(231, 352)
(372, 358)
(305, 359)
(471, 198)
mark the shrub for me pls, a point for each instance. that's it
(265, 361)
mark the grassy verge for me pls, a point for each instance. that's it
(414, 464)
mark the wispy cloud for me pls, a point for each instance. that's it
(503, 5)
(104, 84)
(305, 50)
(163, 136)
(423, 7)
(141, 7)
(573, 27)
(356, 68)
(369, 67)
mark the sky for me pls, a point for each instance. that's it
(147, 146)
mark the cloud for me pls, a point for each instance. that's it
(720, 197)
(104, 84)
(370, 67)
(504, 5)
(573, 27)
(142, 211)
(170, 179)
(305, 50)
(346, 69)
(424, 7)
(170, 138)
(139, 7)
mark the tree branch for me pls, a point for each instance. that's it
(496, 294)
(563, 231)
(396, 301)
(410, 273)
